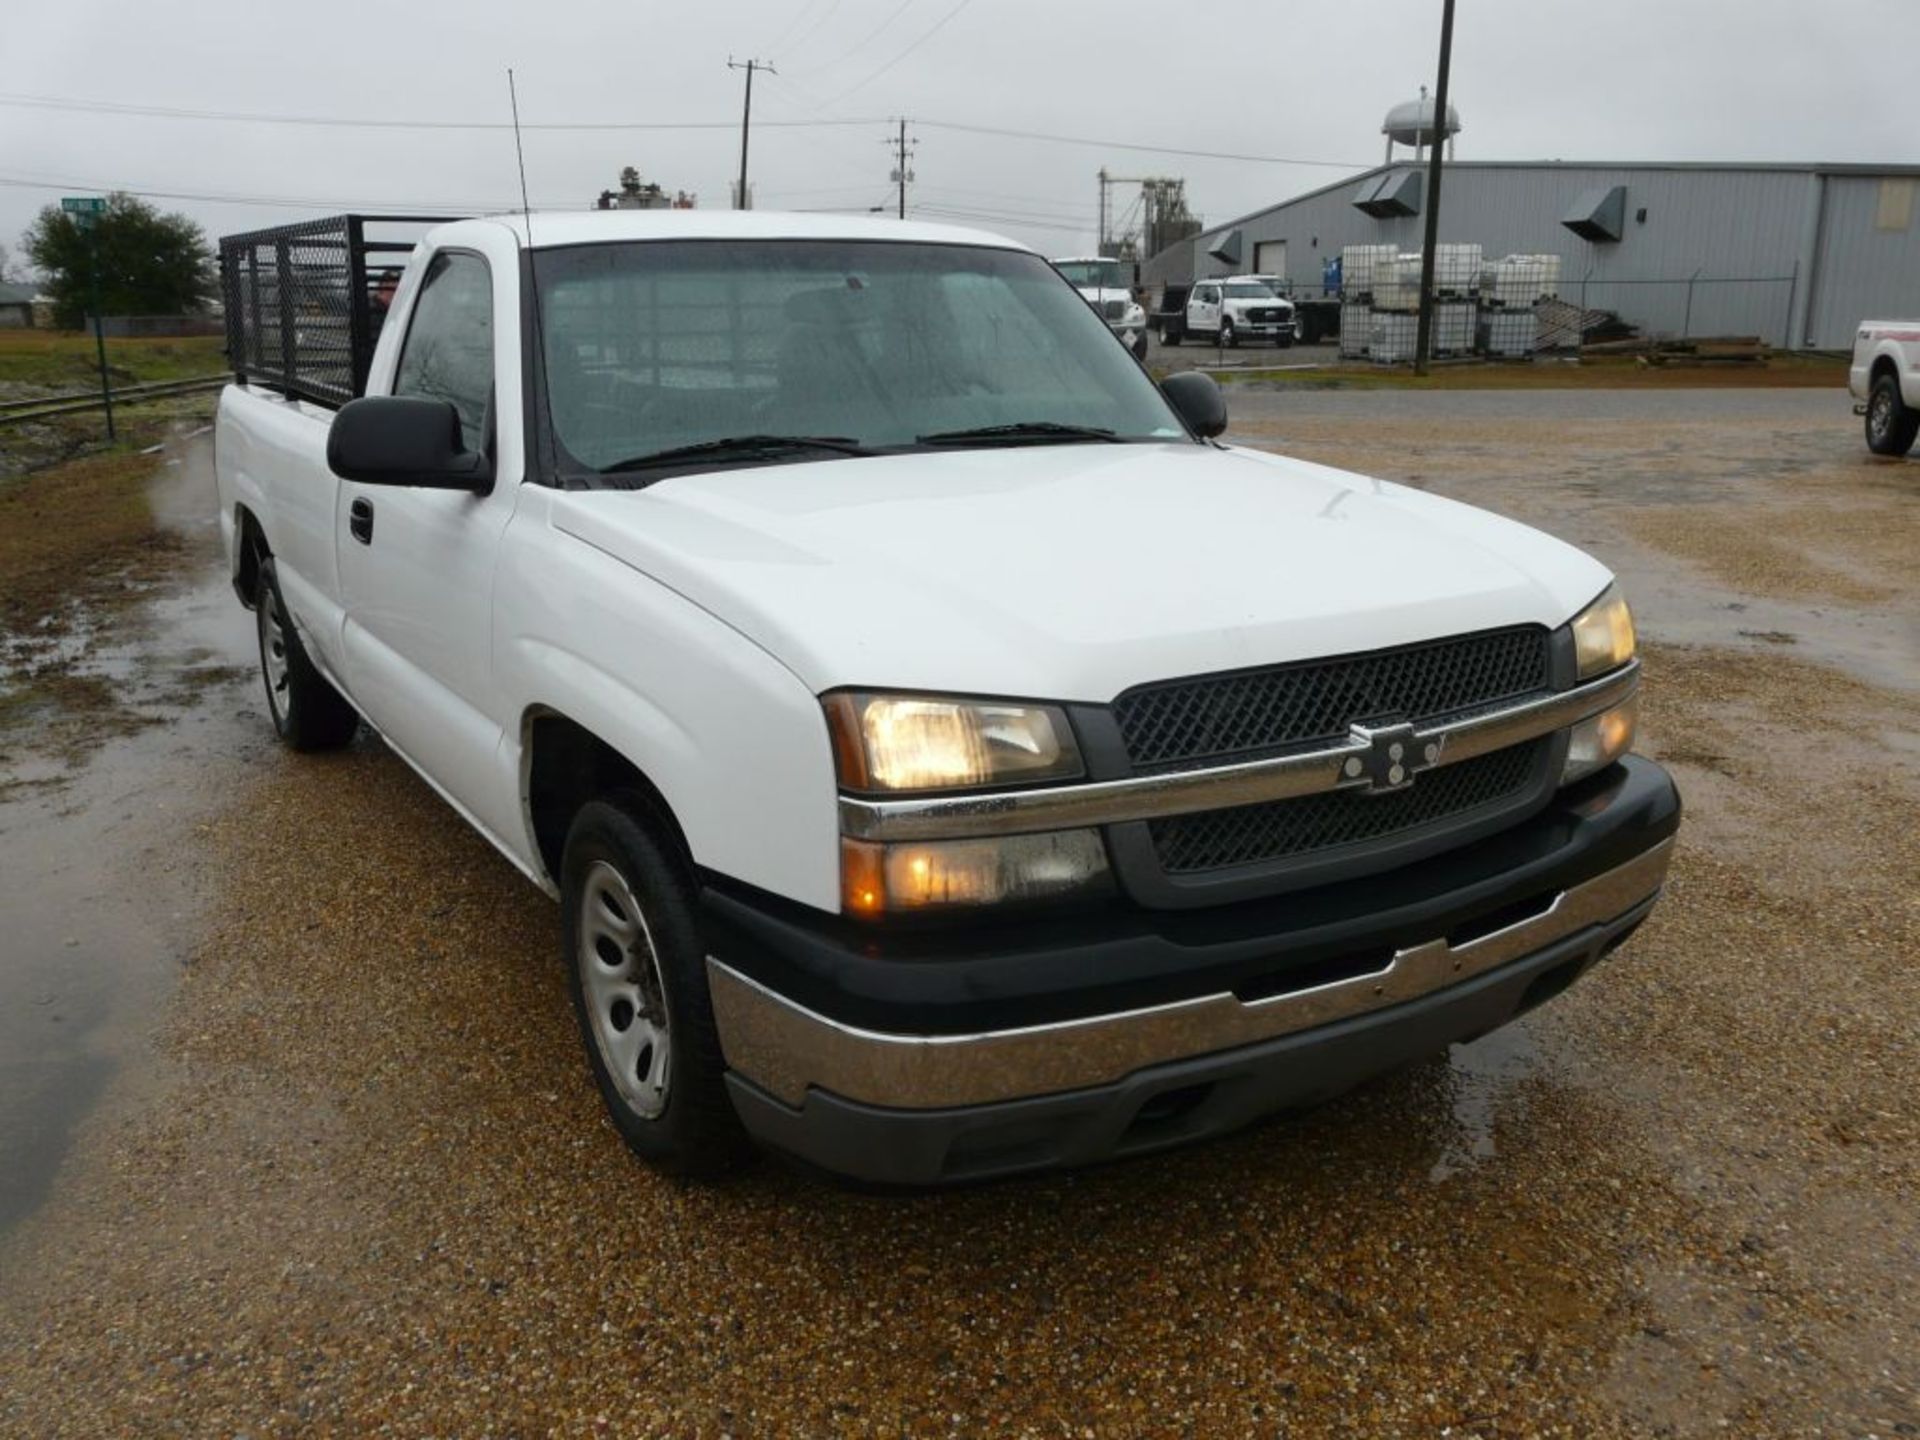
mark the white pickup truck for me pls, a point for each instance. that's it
(1229, 310)
(950, 758)
(1102, 283)
(1884, 380)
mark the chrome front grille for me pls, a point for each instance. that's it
(1220, 719)
(1286, 829)
(1216, 719)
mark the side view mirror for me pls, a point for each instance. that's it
(405, 440)
(1196, 397)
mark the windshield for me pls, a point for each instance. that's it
(1249, 290)
(656, 345)
(1094, 274)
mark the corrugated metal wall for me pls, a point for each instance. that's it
(1721, 251)
(1869, 266)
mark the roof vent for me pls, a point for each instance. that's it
(1389, 196)
(1599, 215)
(1227, 248)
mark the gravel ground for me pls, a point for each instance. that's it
(362, 1185)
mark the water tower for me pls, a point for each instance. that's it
(1411, 123)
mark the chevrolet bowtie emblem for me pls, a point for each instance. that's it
(1393, 755)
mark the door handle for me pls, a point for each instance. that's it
(360, 521)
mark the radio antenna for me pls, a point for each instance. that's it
(520, 155)
(532, 281)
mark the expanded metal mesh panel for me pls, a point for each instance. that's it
(1283, 829)
(303, 305)
(1185, 722)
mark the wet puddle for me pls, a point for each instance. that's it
(97, 890)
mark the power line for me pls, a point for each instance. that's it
(167, 112)
(821, 121)
(1108, 144)
(990, 218)
(871, 36)
(925, 36)
(813, 29)
(397, 207)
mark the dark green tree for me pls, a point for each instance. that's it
(150, 263)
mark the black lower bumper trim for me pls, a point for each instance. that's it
(1053, 967)
(1162, 1105)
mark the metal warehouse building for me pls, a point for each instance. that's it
(1795, 254)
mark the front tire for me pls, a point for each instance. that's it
(1891, 426)
(1229, 337)
(637, 973)
(307, 712)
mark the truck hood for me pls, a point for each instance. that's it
(1071, 572)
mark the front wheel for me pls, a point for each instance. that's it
(1139, 346)
(637, 972)
(1891, 426)
(1229, 338)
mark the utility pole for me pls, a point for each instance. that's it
(1100, 241)
(901, 173)
(1423, 337)
(740, 201)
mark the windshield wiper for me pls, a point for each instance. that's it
(746, 447)
(1022, 430)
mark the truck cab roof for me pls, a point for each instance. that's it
(560, 228)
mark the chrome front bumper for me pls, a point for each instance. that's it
(786, 1050)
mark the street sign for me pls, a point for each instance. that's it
(85, 209)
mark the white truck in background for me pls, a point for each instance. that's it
(1884, 380)
(1230, 309)
(950, 759)
(1103, 283)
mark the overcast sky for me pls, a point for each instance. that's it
(1791, 80)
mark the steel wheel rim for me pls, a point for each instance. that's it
(1880, 415)
(620, 982)
(273, 654)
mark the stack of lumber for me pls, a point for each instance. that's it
(1702, 350)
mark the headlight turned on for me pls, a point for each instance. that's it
(1601, 739)
(927, 742)
(916, 877)
(1603, 636)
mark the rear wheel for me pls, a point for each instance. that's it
(1891, 426)
(307, 712)
(637, 971)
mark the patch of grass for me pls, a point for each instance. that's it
(78, 531)
(64, 360)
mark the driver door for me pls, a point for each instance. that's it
(1203, 314)
(416, 565)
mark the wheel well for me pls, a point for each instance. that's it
(253, 549)
(568, 765)
(1884, 366)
